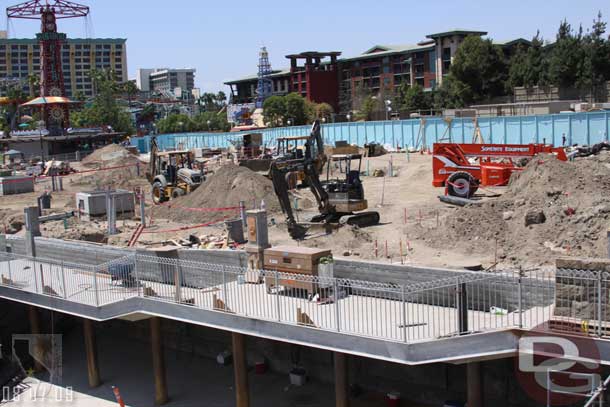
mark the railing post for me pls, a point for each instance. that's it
(35, 277)
(97, 294)
(63, 280)
(404, 314)
(135, 270)
(10, 273)
(461, 304)
(520, 299)
(277, 296)
(224, 287)
(599, 303)
(336, 292)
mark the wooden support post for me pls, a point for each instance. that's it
(474, 388)
(158, 361)
(341, 394)
(93, 371)
(35, 331)
(242, 392)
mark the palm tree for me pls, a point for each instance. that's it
(34, 84)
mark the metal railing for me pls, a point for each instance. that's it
(467, 303)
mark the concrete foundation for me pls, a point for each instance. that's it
(93, 203)
(16, 185)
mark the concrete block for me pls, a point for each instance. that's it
(93, 203)
(16, 185)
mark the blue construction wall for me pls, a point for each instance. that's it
(577, 128)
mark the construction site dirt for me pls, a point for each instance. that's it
(550, 209)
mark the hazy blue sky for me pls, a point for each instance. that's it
(221, 39)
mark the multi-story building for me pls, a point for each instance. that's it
(378, 70)
(166, 80)
(20, 59)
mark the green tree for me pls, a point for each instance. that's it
(176, 123)
(414, 98)
(480, 65)
(104, 109)
(274, 110)
(595, 67)
(452, 94)
(324, 111)
(296, 110)
(131, 89)
(212, 121)
(369, 106)
(566, 58)
(34, 84)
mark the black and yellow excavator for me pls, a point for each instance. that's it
(337, 199)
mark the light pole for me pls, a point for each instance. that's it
(289, 122)
(348, 117)
(388, 109)
(324, 120)
(181, 127)
(209, 122)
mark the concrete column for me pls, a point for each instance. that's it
(242, 393)
(474, 388)
(341, 394)
(93, 371)
(32, 229)
(158, 362)
(35, 330)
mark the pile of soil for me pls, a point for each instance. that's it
(550, 209)
(112, 155)
(229, 185)
(109, 153)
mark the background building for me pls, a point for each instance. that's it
(20, 59)
(166, 81)
(379, 70)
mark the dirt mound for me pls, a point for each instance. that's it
(112, 153)
(225, 188)
(552, 208)
(117, 169)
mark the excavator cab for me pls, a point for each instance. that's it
(345, 192)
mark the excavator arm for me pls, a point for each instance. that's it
(151, 171)
(310, 165)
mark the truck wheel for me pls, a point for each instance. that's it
(158, 193)
(177, 192)
(462, 185)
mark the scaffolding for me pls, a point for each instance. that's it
(264, 87)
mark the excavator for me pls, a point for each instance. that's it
(337, 199)
(171, 173)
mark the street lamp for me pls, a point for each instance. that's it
(181, 127)
(388, 109)
(289, 122)
(324, 120)
(348, 117)
(209, 122)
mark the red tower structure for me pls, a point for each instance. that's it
(51, 76)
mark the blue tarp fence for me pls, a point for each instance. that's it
(577, 128)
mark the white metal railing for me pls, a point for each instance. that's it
(469, 302)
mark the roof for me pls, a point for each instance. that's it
(26, 41)
(273, 74)
(508, 43)
(456, 31)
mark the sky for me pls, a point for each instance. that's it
(221, 39)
